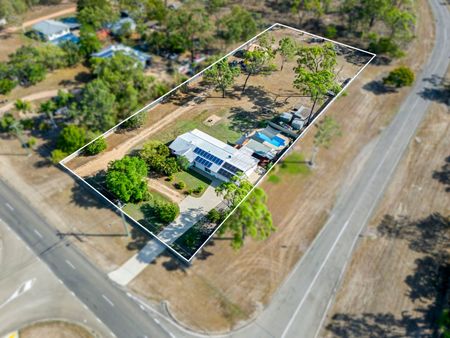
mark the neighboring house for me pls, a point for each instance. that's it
(117, 26)
(50, 30)
(110, 51)
(213, 156)
(72, 22)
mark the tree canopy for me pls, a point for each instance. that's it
(126, 179)
(71, 138)
(221, 75)
(252, 217)
(157, 156)
(287, 49)
(239, 25)
(315, 72)
(400, 77)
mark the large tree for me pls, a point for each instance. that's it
(237, 26)
(125, 79)
(256, 62)
(157, 156)
(96, 109)
(251, 217)
(96, 13)
(315, 73)
(126, 179)
(221, 75)
(287, 49)
(71, 138)
(191, 23)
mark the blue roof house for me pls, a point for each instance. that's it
(50, 30)
(110, 51)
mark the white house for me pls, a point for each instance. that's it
(213, 156)
(50, 30)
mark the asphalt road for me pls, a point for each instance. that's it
(111, 305)
(299, 306)
(29, 292)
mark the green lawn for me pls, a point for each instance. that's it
(192, 179)
(293, 164)
(143, 212)
(221, 130)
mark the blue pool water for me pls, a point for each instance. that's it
(276, 141)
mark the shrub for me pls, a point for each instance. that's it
(134, 122)
(6, 122)
(400, 77)
(31, 142)
(214, 216)
(57, 156)
(183, 162)
(180, 185)
(96, 147)
(6, 85)
(27, 124)
(385, 46)
(166, 211)
(199, 189)
(331, 32)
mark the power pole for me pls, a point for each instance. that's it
(16, 128)
(125, 226)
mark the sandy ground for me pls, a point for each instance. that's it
(224, 287)
(390, 285)
(55, 329)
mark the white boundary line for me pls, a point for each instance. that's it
(157, 101)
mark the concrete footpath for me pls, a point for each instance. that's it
(192, 209)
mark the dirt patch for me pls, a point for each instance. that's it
(56, 329)
(392, 283)
(212, 120)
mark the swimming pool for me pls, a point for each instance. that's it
(276, 141)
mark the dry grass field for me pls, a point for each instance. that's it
(393, 286)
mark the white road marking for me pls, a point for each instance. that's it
(37, 233)
(108, 300)
(70, 264)
(24, 287)
(291, 320)
(73, 293)
(98, 320)
(9, 206)
(60, 281)
(142, 307)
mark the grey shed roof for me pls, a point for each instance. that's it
(49, 27)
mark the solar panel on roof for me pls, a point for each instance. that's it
(204, 162)
(231, 168)
(208, 156)
(225, 173)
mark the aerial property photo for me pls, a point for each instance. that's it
(203, 147)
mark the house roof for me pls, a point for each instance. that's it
(111, 50)
(260, 149)
(186, 144)
(49, 27)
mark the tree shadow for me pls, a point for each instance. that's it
(427, 285)
(378, 88)
(374, 325)
(443, 175)
(439, 90)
